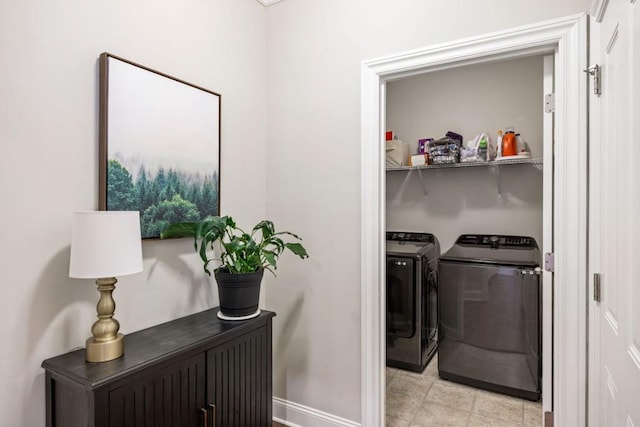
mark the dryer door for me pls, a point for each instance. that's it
(430, 306)
(401, 313)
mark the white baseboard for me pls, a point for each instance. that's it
(295, 415)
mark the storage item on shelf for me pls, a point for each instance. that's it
(397, 152)
(455, 137)
(521, 157)
(423, 144)
(444, 151)
(482, 149)
(513, 147)
(499, 144)
(522, 145)
(509, 147)
(479, 149)
(418, 160)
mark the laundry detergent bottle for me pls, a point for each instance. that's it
(509, 147)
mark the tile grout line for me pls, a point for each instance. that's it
(473, 405)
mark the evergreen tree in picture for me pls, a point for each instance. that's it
(121, 194)
(157, 217)
(168, 196)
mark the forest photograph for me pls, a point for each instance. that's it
(161, 146)
(162, 198)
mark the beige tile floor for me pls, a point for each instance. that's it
(422, 400)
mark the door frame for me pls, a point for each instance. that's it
(566, 38)
(598, 10)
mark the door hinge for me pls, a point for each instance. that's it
(549, 261)
(596, 287)
(550, 103)
(548, 419)
(595, 71)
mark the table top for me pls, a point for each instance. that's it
(152, 345)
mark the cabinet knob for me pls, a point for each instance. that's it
(205, 421)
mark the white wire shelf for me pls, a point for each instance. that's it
(501, 162)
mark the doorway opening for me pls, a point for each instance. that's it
(489, 318)
(565, 39)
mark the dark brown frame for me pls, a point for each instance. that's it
(103, 151)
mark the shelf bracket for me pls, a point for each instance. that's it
(496, 172)
(424, 186)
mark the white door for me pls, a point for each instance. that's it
(614, 366)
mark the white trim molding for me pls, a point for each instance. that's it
(268, 2)
(566, 39)
(295, 415)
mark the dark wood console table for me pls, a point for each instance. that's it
(193, 371)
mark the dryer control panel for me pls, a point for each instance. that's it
(405, 236)
(496, 241)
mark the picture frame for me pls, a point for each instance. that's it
(159, 145)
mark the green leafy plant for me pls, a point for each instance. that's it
(240, 252)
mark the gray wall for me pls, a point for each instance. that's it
(48, 132)
(468, 100)
(313, 76)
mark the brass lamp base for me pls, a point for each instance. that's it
(106, 343)
(105, 351)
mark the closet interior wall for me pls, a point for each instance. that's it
(469, 100)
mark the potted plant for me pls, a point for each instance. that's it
(243, 258)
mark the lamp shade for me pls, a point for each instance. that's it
(105, 244)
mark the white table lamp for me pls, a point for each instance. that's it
(105, 244)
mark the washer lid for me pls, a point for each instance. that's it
(410, 243)
(494, 249)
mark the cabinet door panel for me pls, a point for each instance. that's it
(169, 397)
(238, 380)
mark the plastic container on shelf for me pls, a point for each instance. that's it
(509, 143)
(482, 148)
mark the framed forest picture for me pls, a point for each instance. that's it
(159, 146)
